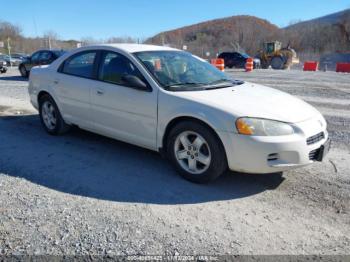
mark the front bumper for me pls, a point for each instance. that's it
(262, 154)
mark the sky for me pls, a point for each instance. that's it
(101, 19)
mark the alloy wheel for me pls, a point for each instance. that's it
(49, 115)
(192, 152)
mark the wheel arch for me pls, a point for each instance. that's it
(180, 119)
(41, 94)
(45, 92)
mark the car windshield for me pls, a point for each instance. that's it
(181, 71)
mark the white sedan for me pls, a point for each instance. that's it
(173, 102)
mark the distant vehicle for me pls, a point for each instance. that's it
(173, 102)
(41, 57)
(237, 60)
(3, 66)
(20, 56)
(277, 57)
(10, 60)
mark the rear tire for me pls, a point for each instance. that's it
(23, 71)
(50, 116)
(196, 152)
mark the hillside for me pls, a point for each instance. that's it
(324, 20)
(327, 34)
(220, 35)
(311, 38)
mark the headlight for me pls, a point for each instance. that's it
(262, 127)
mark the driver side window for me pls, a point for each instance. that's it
(115, 66)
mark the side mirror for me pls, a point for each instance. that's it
(135, 82)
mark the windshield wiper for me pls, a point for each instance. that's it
(223, 80)
(184, 84)
(217, 84)
(214, 85)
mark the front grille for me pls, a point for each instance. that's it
(313, 155)
(314, 139)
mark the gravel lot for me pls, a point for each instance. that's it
(86, 194)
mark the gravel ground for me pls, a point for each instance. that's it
(86, 194)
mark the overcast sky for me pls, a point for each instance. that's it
(74, 19)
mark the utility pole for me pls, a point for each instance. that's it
(9, 50)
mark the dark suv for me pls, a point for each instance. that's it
(41, 57)
(237, 60)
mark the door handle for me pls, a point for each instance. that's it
(99, 92)
(56, 81)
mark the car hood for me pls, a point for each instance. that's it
(252, 100)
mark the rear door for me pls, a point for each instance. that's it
(73, 85)
(45, 58)
(235, 59)
(120, 111)
(230, 60)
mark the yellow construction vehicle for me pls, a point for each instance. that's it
(277, 57)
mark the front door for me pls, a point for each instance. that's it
(120, 111)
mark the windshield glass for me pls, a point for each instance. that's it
(180, 71)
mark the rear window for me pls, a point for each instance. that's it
(59, 53)
(81, 64)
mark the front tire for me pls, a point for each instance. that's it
(264, 65)
(196, 152)
(51, 117)
(277, 63)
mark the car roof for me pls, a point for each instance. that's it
(133, 48)
(229, 53)
(50, 50)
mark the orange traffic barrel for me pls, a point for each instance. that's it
(249, 65)
(310, 66)
(219, 63)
